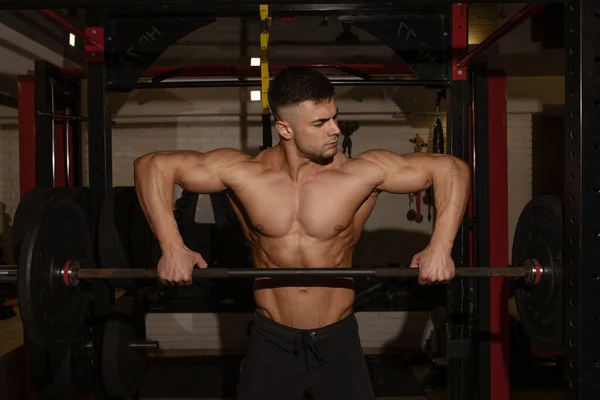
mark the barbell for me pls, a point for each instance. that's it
(54, 267)
(72, 273)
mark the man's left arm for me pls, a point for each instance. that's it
(450, 178)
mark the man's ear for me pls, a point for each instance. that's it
(284, 129)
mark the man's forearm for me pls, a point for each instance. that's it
(154, 187)
(451, 191)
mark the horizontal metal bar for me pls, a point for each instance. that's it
(9, 273)
(214, 6)
(8, 101)
(220, 273)
(257, 83)
(62, 116)
(249, 71)
(144, 345)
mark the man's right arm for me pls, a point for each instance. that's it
(155, 174)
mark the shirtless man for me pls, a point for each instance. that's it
(302, 204)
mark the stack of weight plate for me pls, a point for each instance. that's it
(125, 239)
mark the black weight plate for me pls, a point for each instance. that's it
(52, 313)
(26, 210)
(142, 239)
(114, 225)
(39, 371)
(73, 369)
(122, 367)
(25, 215)
(539, 236)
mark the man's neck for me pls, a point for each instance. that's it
(296, 165)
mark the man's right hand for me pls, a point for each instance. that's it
(176, 265)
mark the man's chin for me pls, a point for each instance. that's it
(323, 159)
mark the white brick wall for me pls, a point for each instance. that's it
(483, 19)
(9, 185)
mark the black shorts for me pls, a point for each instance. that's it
(284, 363)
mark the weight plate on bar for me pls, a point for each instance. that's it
(73, 369)
(123, 367)
(52, 313)
(539, 238)
(114, 226)
(39, 371)
(25, 215)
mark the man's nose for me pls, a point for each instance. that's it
(334, 129)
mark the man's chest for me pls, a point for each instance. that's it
(274, 205)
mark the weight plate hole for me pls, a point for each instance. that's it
(571, 241)
(597, 59)
(596, 146)
(571, 364)
(572, 112)
(572, 282)
(571, 323)
(570, 342)
(597, 14)
(571, 155)
(597, 318)
(596, 362)
(571, 134)
(596, 233)
(597, 190)
(572, 177)
(572, 302)
(572, 49)
(596, 276)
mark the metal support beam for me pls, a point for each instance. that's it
(516, 20)
(215, 6)
(582, 200)
(459, 371)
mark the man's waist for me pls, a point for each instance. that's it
(346, 326)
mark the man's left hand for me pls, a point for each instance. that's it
(435, 265)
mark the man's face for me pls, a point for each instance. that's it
(315, 130)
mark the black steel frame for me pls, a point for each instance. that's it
(52, 90)
(582, 199)
(582, 155)
(229, 7)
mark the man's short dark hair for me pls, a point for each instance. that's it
(295, 85)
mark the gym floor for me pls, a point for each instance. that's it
(12, 374)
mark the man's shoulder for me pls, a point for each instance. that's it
(364, 166)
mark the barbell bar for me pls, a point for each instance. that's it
(72, 273)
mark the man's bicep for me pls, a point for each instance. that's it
(206, 172)
(399, 173)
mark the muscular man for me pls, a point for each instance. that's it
(302, 204)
